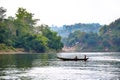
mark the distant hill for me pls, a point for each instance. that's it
(65, 30)
(111, 35)
(90, 37)
(107, 39)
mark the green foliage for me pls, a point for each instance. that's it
(111, 35)
(35, 42)
(78, 37)
(108, 39)
(21, 32)
(54, 41)
(24, 22)
(5, 47)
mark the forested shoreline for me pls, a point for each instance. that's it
(107, 39)
(90, 37)
(21, 32)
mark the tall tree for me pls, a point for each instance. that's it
(2, 13)
(54, 41)
(25, 21)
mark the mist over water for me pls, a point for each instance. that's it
(100, 66)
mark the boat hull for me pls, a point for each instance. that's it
(75, 59)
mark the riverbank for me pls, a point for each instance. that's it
(15, 51)
(22, 51)
(69, 49)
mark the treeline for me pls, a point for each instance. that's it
(65, 30)
(108, 39)
(21, 32)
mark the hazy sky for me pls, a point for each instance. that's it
(60, 12)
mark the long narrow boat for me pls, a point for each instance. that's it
(74, 59)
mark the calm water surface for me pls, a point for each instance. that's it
(100, 66)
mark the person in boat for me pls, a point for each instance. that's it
(76, 57)
(85, 57)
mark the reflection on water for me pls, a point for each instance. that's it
(100, 66)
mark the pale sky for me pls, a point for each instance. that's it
(60, 12)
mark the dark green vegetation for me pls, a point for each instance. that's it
(107, 39)
(21, 32)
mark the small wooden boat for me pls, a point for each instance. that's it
(74, 59)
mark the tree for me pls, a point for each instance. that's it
(110, 35)
(54, 41)
(24, 25)
(25, 20)
(35, 42)
(4, 31)
(21, 32)
(2, 11)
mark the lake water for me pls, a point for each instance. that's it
(100, 66)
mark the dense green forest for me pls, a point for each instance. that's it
(21, 32)
(107, 39)
(65, 30)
